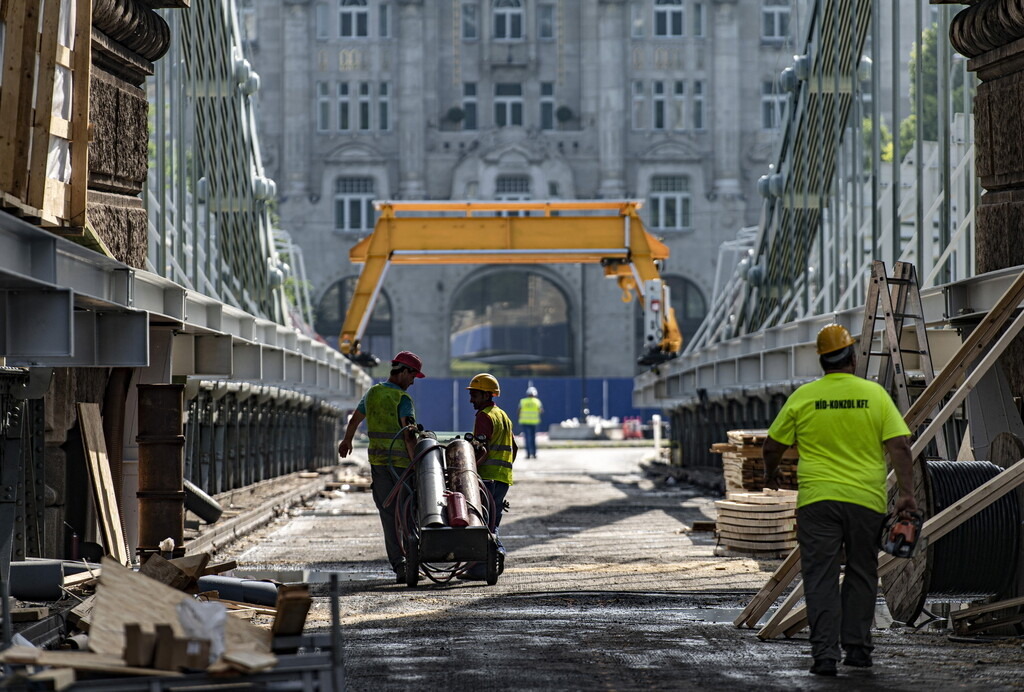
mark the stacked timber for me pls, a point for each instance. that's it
(762, 523)
(743, 462)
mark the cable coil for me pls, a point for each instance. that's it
(980, 555)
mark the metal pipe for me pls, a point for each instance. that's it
(161, 468)
(429, 482)
(463, 477)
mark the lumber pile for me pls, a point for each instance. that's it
(743, 462)
(152, 622)
(762, 523)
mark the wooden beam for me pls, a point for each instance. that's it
(777, 583)
(41, 120)
(80, 115)
(102, 483)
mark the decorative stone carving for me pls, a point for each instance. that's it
(133, 25)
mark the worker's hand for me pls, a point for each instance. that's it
(345, 448)
(772, 481)
(905, 505)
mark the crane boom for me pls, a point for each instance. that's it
(609, 233)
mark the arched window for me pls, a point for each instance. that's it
(353, 204)
(354, 19)
(668, 18)
(508, 20)
(511, 323)
(330, 315)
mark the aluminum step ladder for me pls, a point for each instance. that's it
(898, 297)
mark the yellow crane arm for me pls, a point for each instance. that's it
(596, 232)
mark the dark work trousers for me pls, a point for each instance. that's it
(498, 491)
(824, 529)
(383, 482)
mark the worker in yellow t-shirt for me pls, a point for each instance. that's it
(843, 425)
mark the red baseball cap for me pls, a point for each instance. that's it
(409, 360)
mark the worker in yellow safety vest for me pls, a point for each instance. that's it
(390, 420)
(494, 462)
(530, 410)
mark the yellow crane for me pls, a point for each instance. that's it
(609, 233)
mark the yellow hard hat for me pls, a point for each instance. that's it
(833, 337)
(485, 382)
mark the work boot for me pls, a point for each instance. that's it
(400, 572)
(824, 666)
(857, 657)
(475, 573)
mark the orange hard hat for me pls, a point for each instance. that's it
(833, 337)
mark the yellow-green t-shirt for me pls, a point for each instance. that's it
(840, 423)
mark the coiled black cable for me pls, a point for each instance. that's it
(980, 555)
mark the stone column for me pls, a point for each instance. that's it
(724, 114)
(411, 112)
(991, 34)
(297, 99)
(612, 117)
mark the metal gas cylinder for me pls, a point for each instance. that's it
(463, 478)
(430, 483)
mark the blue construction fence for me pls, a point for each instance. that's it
(442, 403)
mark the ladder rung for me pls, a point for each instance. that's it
(905, 315)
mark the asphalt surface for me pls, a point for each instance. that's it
(605, 587)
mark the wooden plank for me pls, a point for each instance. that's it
(33, 614)
(82, 577)
(776, 584)
(766, 497)
(79, 660)
(125, 597)
(44, 103)
(755, 508)
(783, 521)
(220, 567)
(759, 545)
(239, 605)
(102, 483)
(932, 530)
(81, 615)
(757, 533)
(80, 114)
(974, 611)
(292, 605)
(18, 65)
(732, 515)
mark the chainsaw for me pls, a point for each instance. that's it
(902, 535)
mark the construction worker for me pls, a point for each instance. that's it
(530, 410)
(842, 425)
(390, 424)
(494, 461)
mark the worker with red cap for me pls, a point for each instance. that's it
(843, 425)
(494, 460)
(390, 420)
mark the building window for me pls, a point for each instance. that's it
(773, 106)
(510, 188)
(470, 22)
(545, 22)
(658, 103)
(383, 107)
(636, 22)
(323, 107)
(698, 19)
(330, 317)
(508, 104)
(344, 114)
(668, 18)
(323, 23)
(469, 106)
(384, 20)
(353, 204)
(637, 120)
(364, 105)
(698, 104)
(508, 20)
(670, 203)
(775, 20)
(679, 104)
(547, 105)
(355, 19)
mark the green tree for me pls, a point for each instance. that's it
(927, 51)
(885, 141)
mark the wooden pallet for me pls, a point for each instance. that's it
(743, 461)
(759, 523)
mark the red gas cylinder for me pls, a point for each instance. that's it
(458, 510)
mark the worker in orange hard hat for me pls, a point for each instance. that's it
(390, 417)
(494, 462)
(843, 426)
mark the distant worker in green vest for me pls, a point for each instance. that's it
(390, 420)
(530, 410)
(843, 426)
(494, 464)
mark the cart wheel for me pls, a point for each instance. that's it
(412, 561)
(492, 563)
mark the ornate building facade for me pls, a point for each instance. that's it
(674, 102)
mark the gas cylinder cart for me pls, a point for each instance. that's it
(444, 512)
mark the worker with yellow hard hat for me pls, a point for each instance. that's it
(843, 426)
(494, 462)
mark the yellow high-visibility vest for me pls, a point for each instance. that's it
(498, 464)
(529, 411)
(382, 425)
